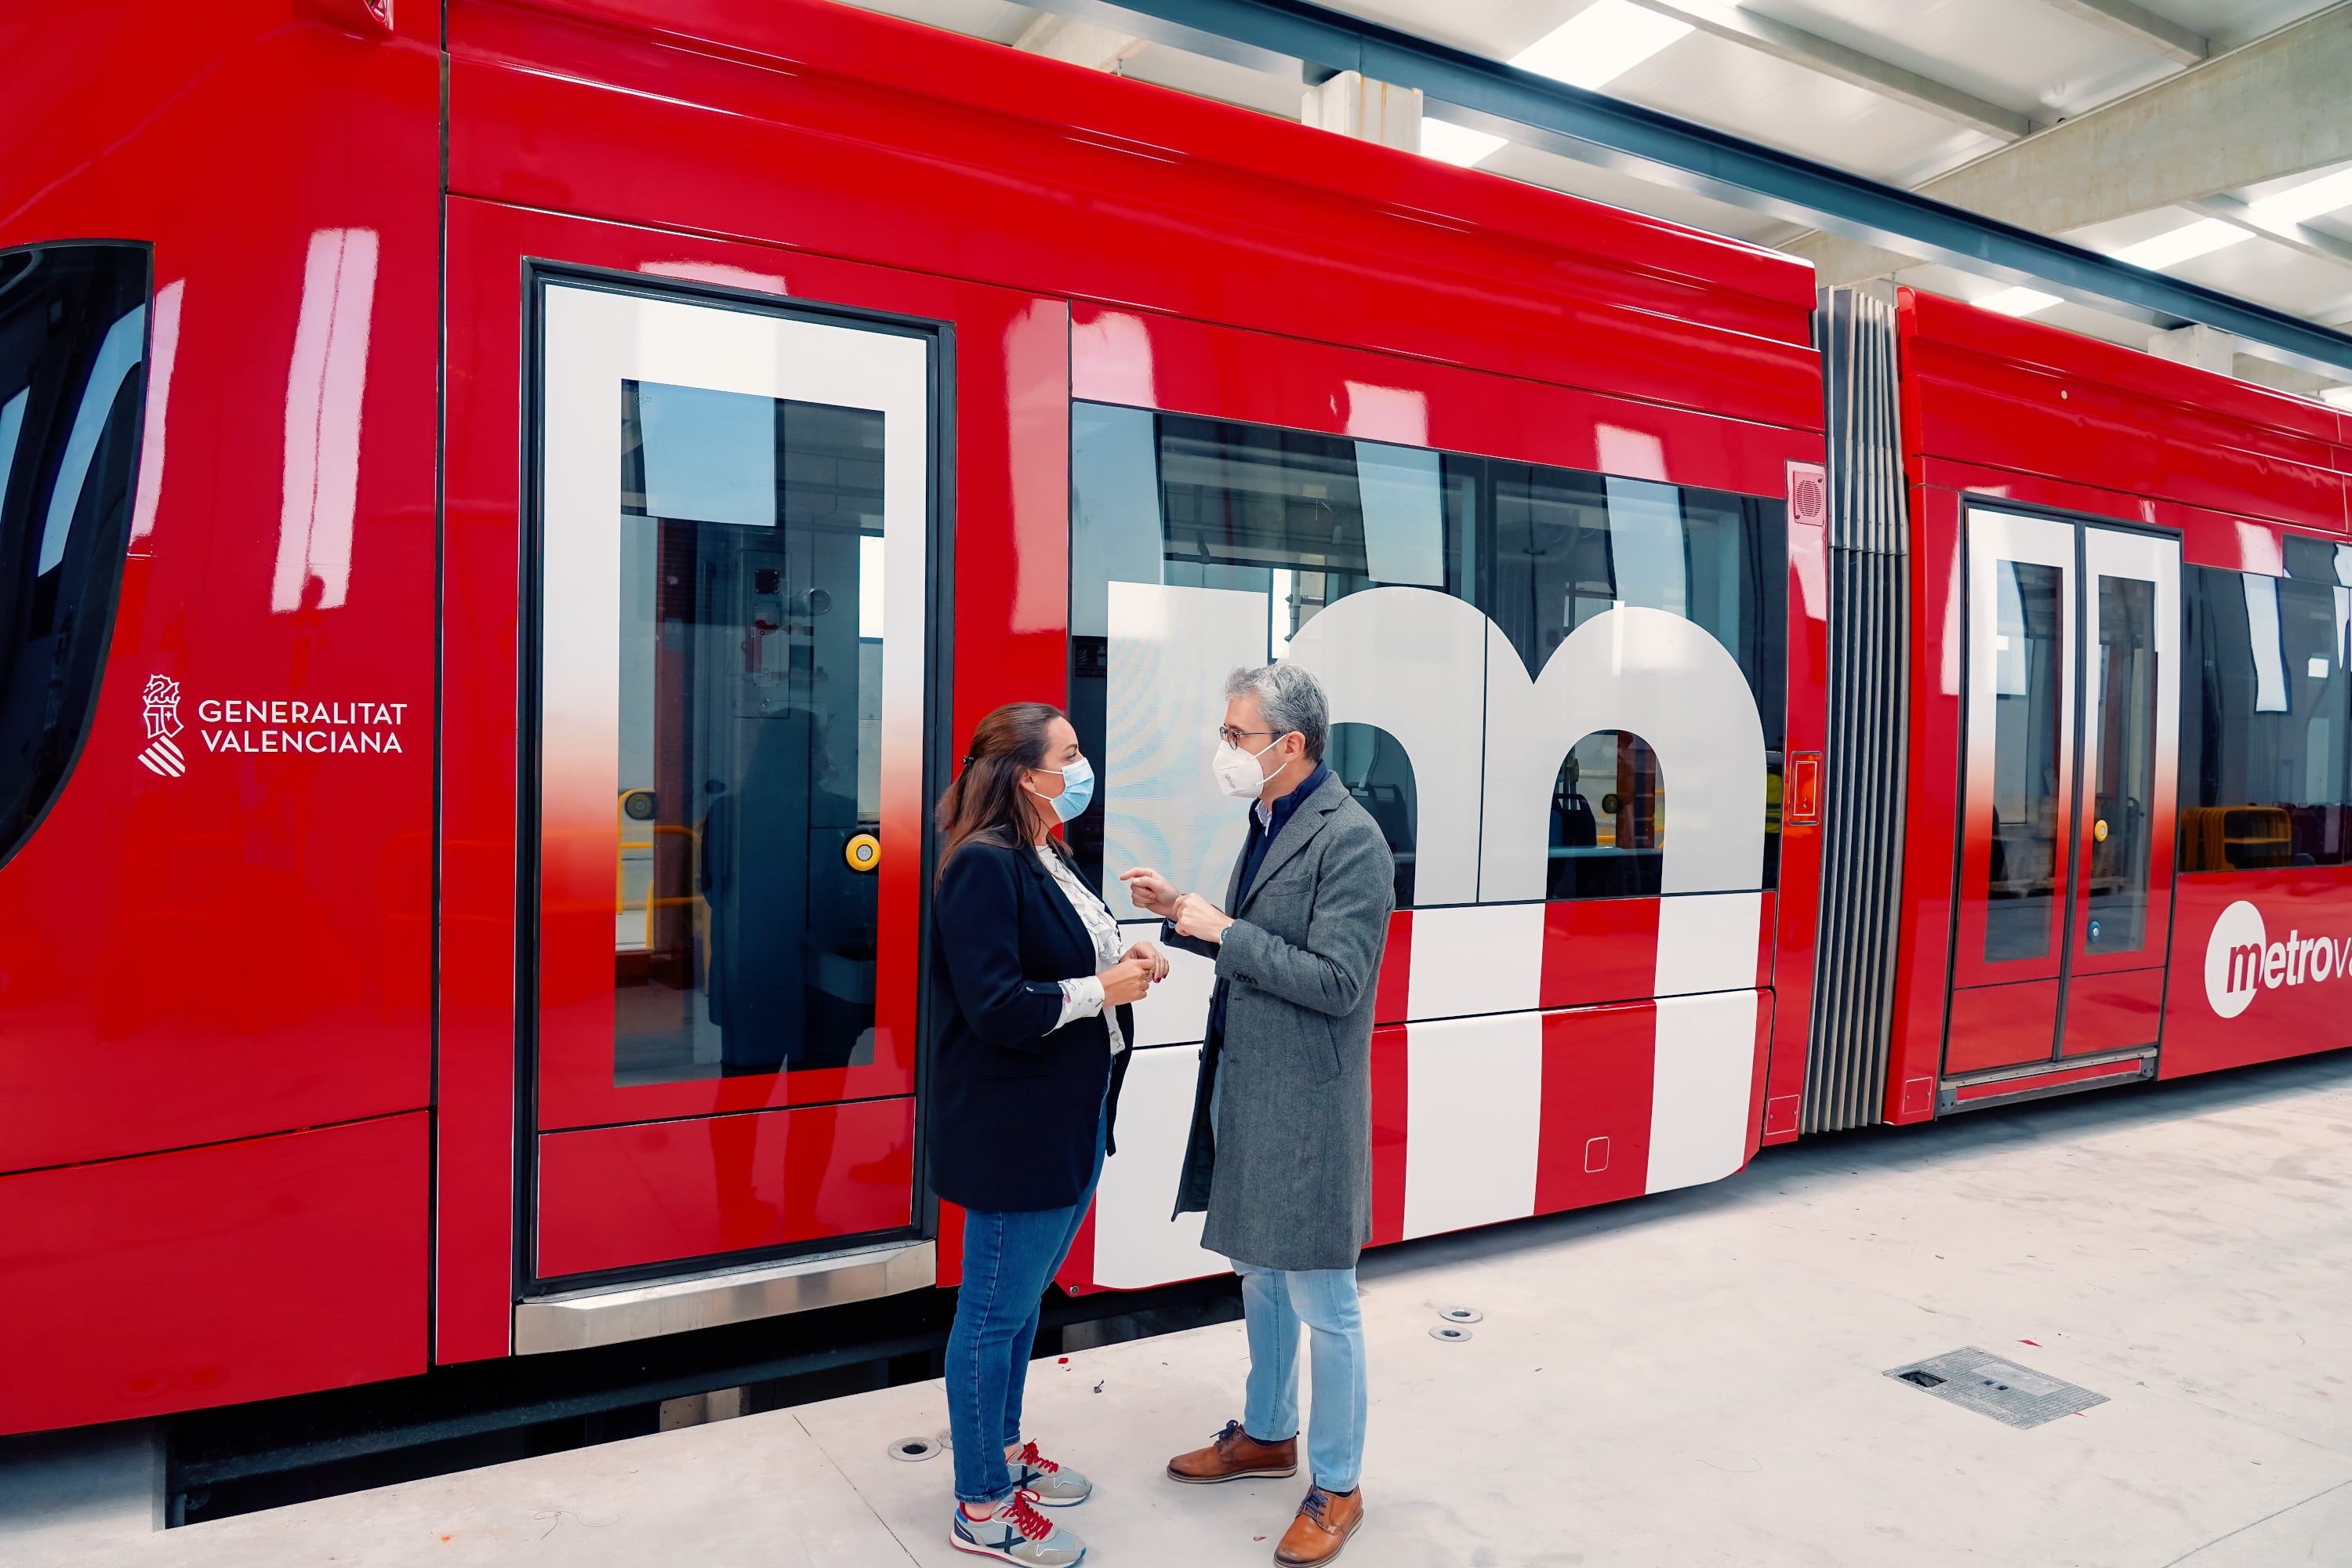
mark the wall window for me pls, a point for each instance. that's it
(73, 349)
(2266, 715)
(1199, 544)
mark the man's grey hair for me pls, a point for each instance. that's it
(1290, 698)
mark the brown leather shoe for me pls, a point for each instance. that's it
(1235, 1456)
(1325, 1522)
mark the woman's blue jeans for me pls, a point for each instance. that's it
(1008, 1261)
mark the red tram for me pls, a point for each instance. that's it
(509, 508)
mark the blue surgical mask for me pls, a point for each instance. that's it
(1078, 790)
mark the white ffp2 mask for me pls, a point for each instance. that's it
(1237, 772)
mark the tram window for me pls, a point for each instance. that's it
(2021, 890)
(2121, 757)
(1569, 545)
(750, 703)
(1554, 556)
(73, 346)
(2266, 715)
(1608, 820)
(1372, 763)
(2317, 559)
(1293, 522)
(1304, 519)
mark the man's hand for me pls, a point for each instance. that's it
(1196, 917)
(1149, 954)
(1152, 892)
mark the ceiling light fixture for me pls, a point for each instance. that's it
(1600, 44)
(2019, 301)
(2186, 243)
(1590, 49)
(2192, 240)
(1456, 145)
(2310, 199)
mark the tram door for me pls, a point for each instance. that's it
(730, 553)
(2072, 703)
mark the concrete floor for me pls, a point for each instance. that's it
(1685, 1380)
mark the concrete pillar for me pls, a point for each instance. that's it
(2207, 348)
(1352, 104)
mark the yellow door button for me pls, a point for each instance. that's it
(2099, 830)
(864, 851)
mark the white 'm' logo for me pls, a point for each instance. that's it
(2234, 959)
(161, 704)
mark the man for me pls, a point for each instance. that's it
(1281, 1152)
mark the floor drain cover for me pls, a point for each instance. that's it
(913, 1449)
(1448, 1333)
(1463, 1315)
(1979, 1380)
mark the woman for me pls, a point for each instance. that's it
(1034, 989)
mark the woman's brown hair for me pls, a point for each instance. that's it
(986, 800)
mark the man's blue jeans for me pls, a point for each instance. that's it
(1274, 1302)
(1008, 1261)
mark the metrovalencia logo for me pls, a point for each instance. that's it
(2240, 958)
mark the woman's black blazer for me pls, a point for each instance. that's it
(1009, 1119)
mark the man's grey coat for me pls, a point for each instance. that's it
(1288, 1180)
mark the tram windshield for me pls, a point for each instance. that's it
(73, 346)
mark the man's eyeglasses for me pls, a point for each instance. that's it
(1233, 738)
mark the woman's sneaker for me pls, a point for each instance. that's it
(1053, 1485)
(1017, 1532)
